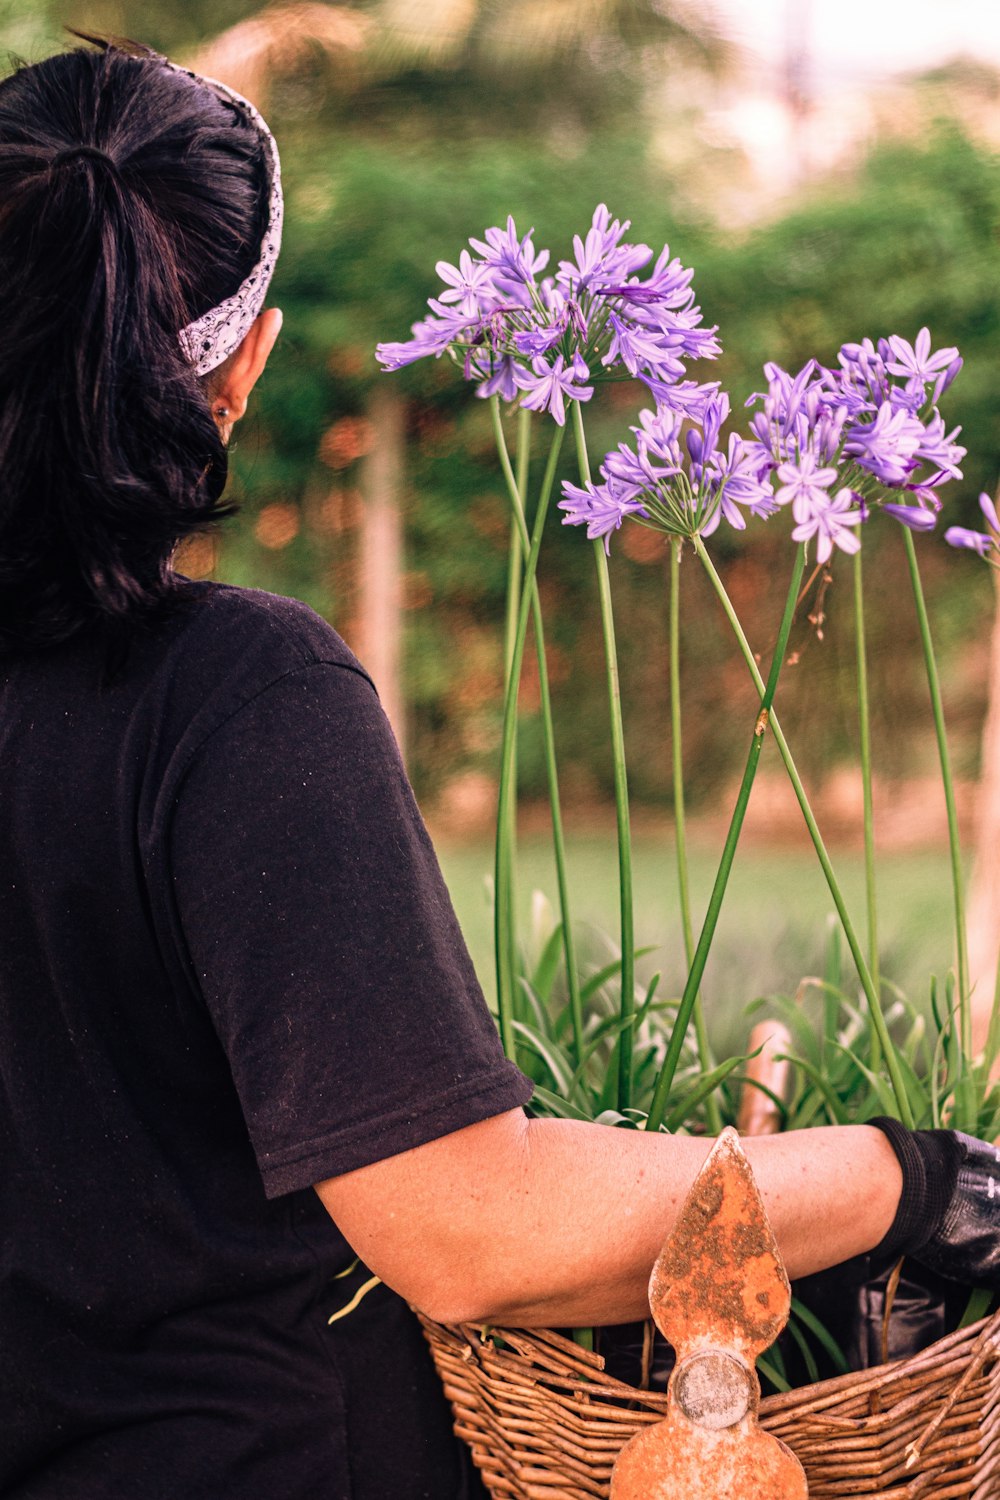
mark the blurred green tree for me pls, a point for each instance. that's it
(405, 127)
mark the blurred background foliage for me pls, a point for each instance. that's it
(408, 125)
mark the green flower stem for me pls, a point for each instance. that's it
(504, 921)
(878, 1020)
(523, 454)
(661, 1093)
(713, 1114)
(627, 1006)
(934, 685)
(514, 564)
(513, 595)
(518, 551)
(517, 493)
(864, 727)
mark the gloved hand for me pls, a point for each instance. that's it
(949, 1212)
(966, 1246)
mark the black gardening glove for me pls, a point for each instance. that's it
(949, 1211)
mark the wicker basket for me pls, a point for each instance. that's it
(544, 1422)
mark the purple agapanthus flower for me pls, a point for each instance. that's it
(831, 524)
(945, 379)
(536, 341)
(887, 447)
(601, 508)
(513, 259)
(834, 444)
(551, 385)
(602, 257)
(635, 347)
(869, 425)
(743, 483)
(678, 477)
(468, 283)
(804, 485)
(667, 284)
(686, 397)
(495, 313)
(939, 448)
(916, 359)
(504, 380)
(986, 543)
(431, 338)
(914, 517)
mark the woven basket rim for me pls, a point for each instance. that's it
(545, 1422)
(802, 1400)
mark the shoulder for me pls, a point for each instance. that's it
(273, 632)
(225, 649)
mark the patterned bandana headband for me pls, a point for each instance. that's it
(211, 338)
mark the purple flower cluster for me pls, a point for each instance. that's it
(545, 340)
(868, 433)
(679, 477)
(831, 444)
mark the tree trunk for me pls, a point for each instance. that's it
(984, 895)
(381, 555)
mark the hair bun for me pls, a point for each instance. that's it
(83, 153)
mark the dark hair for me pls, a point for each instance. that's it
(132, 200)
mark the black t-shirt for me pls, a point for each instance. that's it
(228, 969)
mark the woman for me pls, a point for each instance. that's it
(241, 1043)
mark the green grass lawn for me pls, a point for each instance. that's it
(773, 924)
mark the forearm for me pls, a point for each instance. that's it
(557, 1222)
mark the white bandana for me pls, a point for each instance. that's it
(212, 338)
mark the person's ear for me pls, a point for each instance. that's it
(244, 367)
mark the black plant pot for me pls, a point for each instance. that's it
(851, 1304)
(635, 1353)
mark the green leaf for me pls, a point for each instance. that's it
(817, 1078)
(789, 1011)
(832, 981)
(607, 1096)
(552, 1055)
(804, 1115)
(916, 1092)
(553, 1104)
(589, 989)
(993, 1035)
(977, 1306)
(798, 1337)
(822, 1334)
(547, 967)
(647, 1003)
(773, 1367)
(882, 1090)
(536, 1013)
(615, 1117)
(613, 1026)
(832, 961)
(681, 1112)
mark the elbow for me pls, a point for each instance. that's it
(462, 1299)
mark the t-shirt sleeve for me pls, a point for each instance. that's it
(323, 938)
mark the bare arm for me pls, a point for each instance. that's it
(540, 1222)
